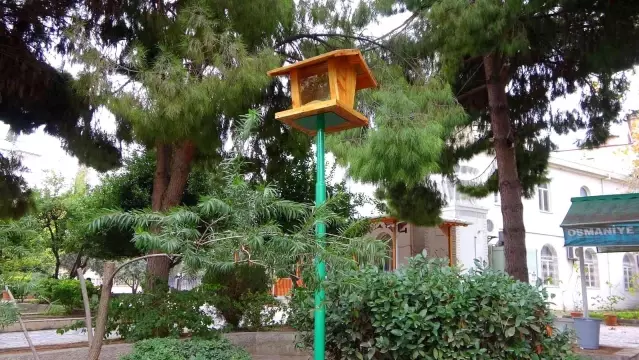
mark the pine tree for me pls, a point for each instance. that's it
(34, 94)
(411, 122)
(506, 61)
(184, 93)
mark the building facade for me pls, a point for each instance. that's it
(572, 174)
(406, 240)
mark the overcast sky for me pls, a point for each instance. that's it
(49, 154)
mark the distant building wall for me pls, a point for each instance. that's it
(571, 175)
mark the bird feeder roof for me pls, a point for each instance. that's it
(365, 77)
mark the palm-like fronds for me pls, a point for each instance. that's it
(238, 223)
(9, 314)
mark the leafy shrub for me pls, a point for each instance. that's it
(22, 285)
(55, 310)
(623, 314)
(148, 315)
(428, 310)
(194, 349)
(20, 288)
(236, 289)
(259, 311)
(65, 292)
(9, 314)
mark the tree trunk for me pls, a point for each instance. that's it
(510, 189)
(87, 307)
(77, 264)
(25, 332)
(56, 272)
(173, 165)
(103, 309)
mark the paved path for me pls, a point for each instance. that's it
(42, 337)
(619, 336)
(109, 352)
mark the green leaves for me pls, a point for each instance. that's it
(188, 85)
(411, 122)
(8, 313)
(240, 223)
(428, 310)
(410, 125)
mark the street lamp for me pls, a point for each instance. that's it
(323, 95)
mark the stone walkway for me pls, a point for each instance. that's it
(114, 352)
(620, 336)
(109, 352)
(42, 337)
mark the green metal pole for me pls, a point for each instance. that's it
(319, 343)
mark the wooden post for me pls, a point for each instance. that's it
(24, 328)
(450, 247)
(103, 309)
(394, 245)
(296, 95)
(584, 287)
(87, 308)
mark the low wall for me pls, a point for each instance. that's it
(261, 345)
(32, 308)
(266, 343)
(41, 324)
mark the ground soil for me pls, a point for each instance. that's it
(603, 350)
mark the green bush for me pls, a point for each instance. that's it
(148, 315)
(259, 311)
(195, 349)
(22, 285)
(428, 310)
(20, 288)
(55, 310)
(621, 314)
(9, 314)
(237, 290)
(65, 292)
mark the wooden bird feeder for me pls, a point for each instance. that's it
(326, 85)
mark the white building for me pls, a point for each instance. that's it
(572, 173)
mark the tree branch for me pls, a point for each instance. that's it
(316, 37)
(23, 327)
(138, 259)
(220, 239)
(122, 86)
(471, 92)
(404, 24)
(87, 308)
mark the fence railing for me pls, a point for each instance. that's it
(184, 284)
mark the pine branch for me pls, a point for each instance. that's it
(403, 25)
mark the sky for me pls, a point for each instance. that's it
(47, 154)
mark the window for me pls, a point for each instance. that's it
(549, 265)
(584, 191)
(591, 269)
(628, 272)
(544, 197)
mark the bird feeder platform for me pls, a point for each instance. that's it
(325, 86)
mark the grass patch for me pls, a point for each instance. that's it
(622, 315)
(56, 310)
